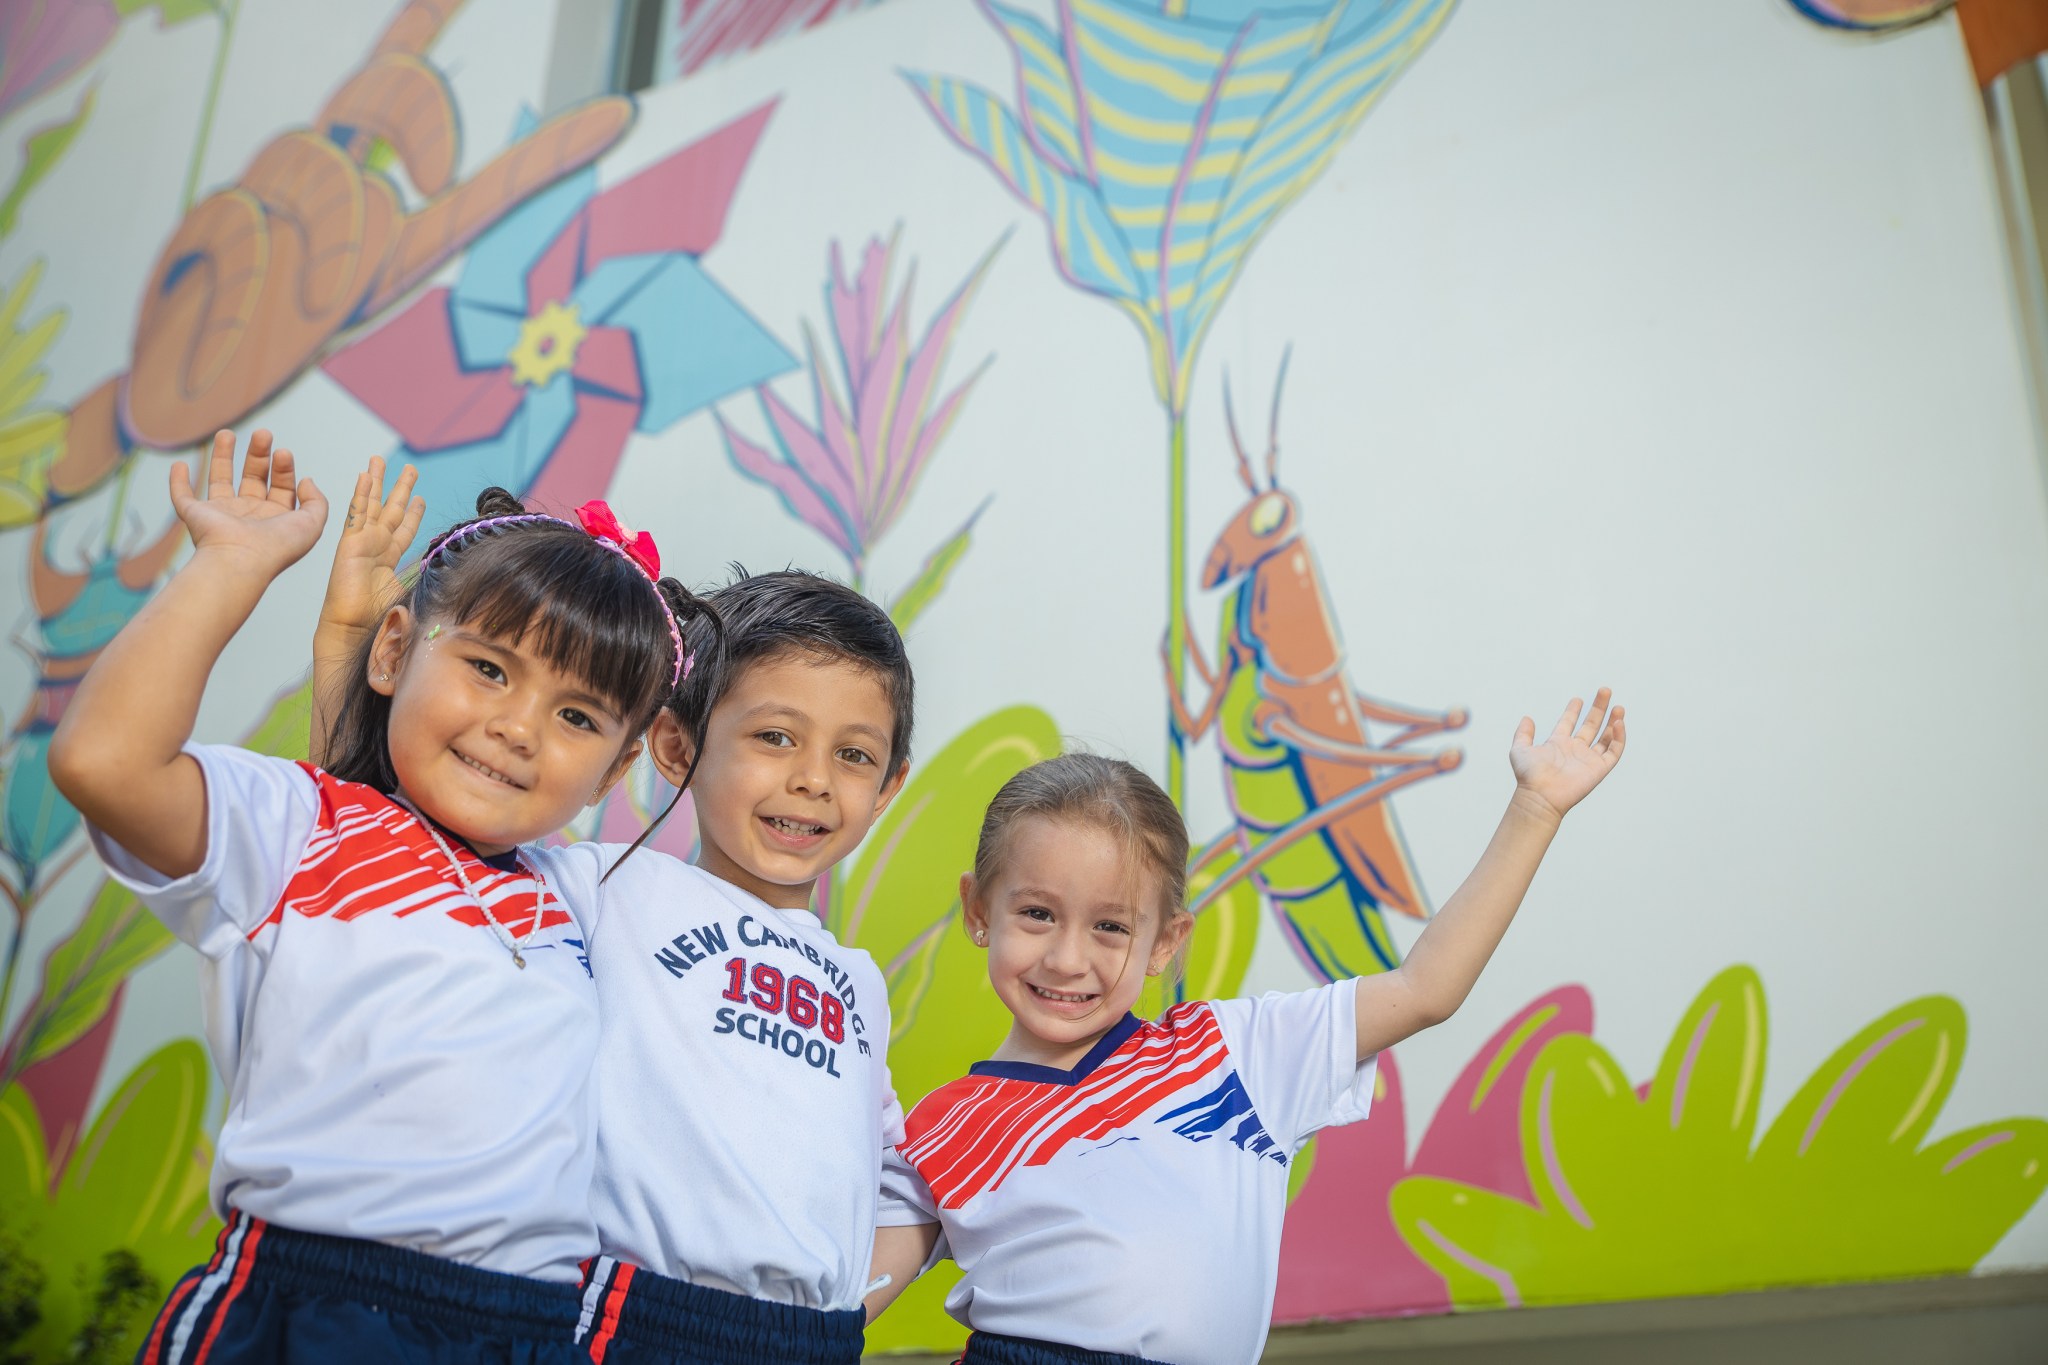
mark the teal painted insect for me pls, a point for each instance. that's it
(1307, 784)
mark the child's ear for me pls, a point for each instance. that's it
(1170, 941)
(387, 650)
(670, 747)
(973, 914)
(889, 790)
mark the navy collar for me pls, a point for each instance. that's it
(1107, 1044)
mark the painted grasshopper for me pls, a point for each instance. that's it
(1306, 784)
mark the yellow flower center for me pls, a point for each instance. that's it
(547, 344)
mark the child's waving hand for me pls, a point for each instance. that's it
(271, 518)
(1562, 769)
(374, 538)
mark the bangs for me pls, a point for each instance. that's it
(592, 616)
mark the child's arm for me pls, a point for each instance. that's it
(373, 539)
(117, 754)
(1550, 778)
(900, 1254)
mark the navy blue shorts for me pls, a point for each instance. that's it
(986, 1348)
(636, 1317)
(271, 1294)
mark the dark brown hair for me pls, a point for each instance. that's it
(589, 612)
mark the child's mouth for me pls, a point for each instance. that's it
(794, 831)
(484, 768)
(1062, 997)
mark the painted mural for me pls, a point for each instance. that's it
(553, 320)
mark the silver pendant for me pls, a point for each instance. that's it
(519, 961)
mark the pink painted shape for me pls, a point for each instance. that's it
(43, 43)
(61, 1085)
(679, 203)
(1510, 1292)
(803, 500)
(407, 373)
(1478, 1141)
(1340, 1253)
(608, 359)
(583, 464)
(553, 277)
(708, 30)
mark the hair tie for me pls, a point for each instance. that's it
(601, 526)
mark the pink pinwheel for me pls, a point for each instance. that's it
(1341, 1255)
(849, 477)
(582, 317)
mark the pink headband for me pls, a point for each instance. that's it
(602, 526)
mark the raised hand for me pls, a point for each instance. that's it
(271, 518)
(1562, 769)
(374, 538)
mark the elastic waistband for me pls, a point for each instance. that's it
(623, 1302)
(402, 1280)
(987, 1348)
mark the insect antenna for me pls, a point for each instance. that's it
(1244, 465)
(1273, 429)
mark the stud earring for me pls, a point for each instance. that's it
(383, 677)
(981, 936)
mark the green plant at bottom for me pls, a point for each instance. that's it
(127, 1217)
(1664, 1192)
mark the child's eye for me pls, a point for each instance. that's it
(776, 738)
(1110, 926)
(1037, 912)
(855, 756)
(488, 669)
(582, 720)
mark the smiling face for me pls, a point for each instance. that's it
(1073, 926)
(488, 739)
(793, 773)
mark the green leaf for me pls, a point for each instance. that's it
(918, 1321)
(286, 732)
(82, 972)
(1662, 1196)
(24, 1154)
(170, 13)
(901, 900)
(43, 149)
(136, 1184)
(930, 581)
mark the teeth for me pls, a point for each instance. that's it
(794, 826)
(487, 771)
(1062, 997)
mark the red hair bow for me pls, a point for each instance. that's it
(599, 520)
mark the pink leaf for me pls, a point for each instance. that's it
(807, 453)
(797, 494)
(679, 203)
(837, 433)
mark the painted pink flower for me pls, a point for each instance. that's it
(1341, 1255)
(42, 42)
(879, 420)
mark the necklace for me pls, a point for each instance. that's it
(540, 903)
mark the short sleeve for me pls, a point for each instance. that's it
(260, 815)
(575, 876)
(1297, 1054)
(905, 1199)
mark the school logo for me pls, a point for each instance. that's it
(1226, 1111)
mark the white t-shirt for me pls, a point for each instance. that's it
(744, 1094)
(392, 1075)
(1133, 1204)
